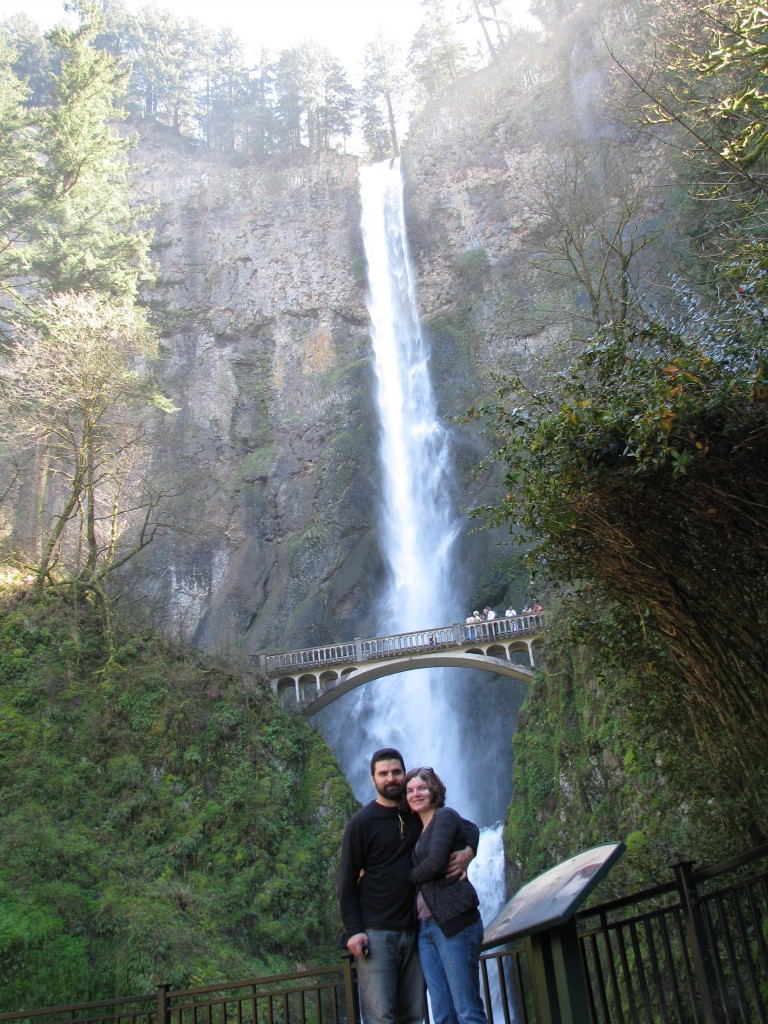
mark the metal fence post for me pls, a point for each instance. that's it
(162, 1004)
(697, 936)
(558, 981)
(350, 989)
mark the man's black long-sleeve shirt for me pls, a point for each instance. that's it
(379, 842)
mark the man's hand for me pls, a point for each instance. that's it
(458, 863)
(356, 944)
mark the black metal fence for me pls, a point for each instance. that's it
(693, 951)
(326, 995)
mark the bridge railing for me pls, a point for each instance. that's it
(407, 643)
(496, 629)
(310, 657)
(399, 644)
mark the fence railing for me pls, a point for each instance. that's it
(692, 951)
(326, 995)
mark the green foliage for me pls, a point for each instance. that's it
(602, 756)
(314, 100)
(84, 234)
(473, 265)
(359, 269)
(164, 820)
(713, 88)
(436, 56)
(17, 168)
(639, 473)
(637, 467)
(384, 87)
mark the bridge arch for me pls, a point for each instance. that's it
(367, 674)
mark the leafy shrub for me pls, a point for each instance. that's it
(473, 265)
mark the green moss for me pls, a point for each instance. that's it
(358, 268)
(163, 817)
(259, 465)
(596, 760)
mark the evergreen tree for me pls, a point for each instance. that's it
(223, 98)
(31, 61)
(72, 361)
(487, 15)
(84, 236)
(260, 122)
(315, 101)
(17, 172)
(551, 11)
(338, 103)
(290, 106)
(436, 56)
(384, 87)
(166, 59)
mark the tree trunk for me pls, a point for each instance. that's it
(392, 128)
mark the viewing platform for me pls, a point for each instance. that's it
(312, 678)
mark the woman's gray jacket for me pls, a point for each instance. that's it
(454, 903)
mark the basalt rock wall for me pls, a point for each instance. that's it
(266, 357)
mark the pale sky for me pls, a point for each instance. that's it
(343, 26)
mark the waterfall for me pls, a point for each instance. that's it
(423, 713)
(418, 524)
(486, 872)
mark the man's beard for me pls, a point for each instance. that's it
(391, 791)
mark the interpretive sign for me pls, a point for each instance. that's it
(542, 915)
(554, 897)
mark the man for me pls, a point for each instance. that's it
(378, 900)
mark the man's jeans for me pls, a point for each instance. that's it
(452, 972)
(390, 980)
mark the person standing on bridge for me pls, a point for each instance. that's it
(377, 897)
(450, 927)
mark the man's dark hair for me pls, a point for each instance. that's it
(386, 754)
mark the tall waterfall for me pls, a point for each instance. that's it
(418, 523)
(418, 712)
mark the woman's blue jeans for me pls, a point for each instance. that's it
(451, 969)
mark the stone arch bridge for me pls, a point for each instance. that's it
(311, 679)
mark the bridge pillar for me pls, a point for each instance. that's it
(358, 648)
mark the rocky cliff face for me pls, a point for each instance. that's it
(266, 357)
(267, 350)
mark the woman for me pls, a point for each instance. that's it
(450, 928)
